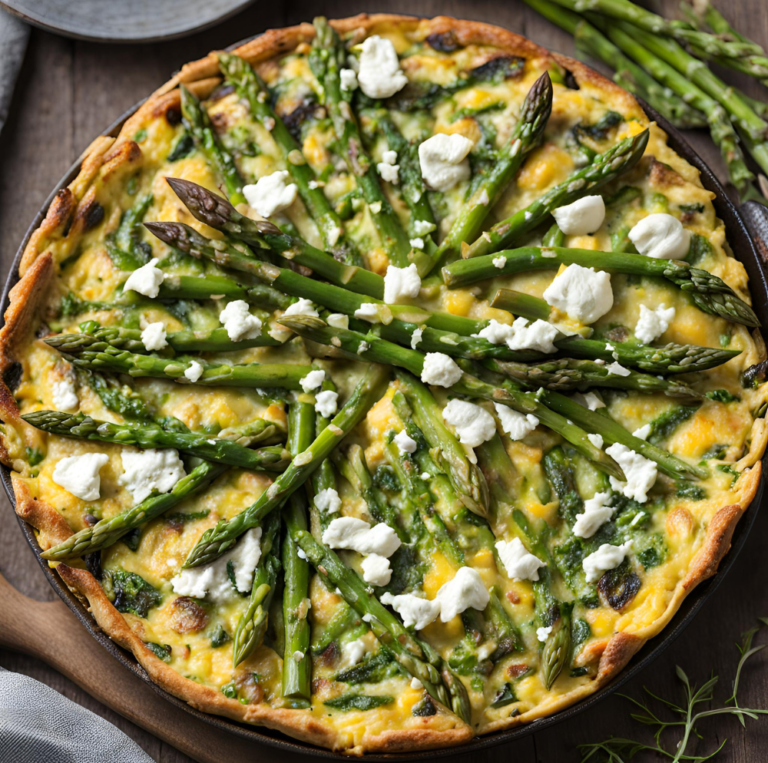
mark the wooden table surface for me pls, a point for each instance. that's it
(68, 91)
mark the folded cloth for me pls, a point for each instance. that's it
(39, 725)
(14, 34)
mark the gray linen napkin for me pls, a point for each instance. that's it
(39, 725)
(14, 35)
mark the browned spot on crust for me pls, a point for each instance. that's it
(716, 544)
(618, 652)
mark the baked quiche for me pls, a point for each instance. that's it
(384, 382)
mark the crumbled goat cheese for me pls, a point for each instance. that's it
(661, 236)
(443, 160)
(596, 513)
(519, 564)
(581, 293)
(302, 307)
(298, 656)
(380, 75)
(439, 369)
(521, 335)
(271, 193)
(353, 651)
(148, 471)
(416, 338)
(146, 280)
(416, 684)
(416, 243)
(616, 369)
(473, 424)
(414, 611)
(153, 336)
(388, 167)
(65, 395)
(639, 471)
(653, 323)
(422, 227)
(328, 500)
(517, 425)
(79, 475)
(400, 283)
(194, 371)
(583, 216)
(313, 380)
(327, 403)
(348, 79)
(643, 432)
(368, 311)
(607, 557)
(542, 633)
(499, 262)
(465, 590)
(338, 321)
(237, 320)
(596, 440)
(405, 443)
(376, 570)
(357, 535)
(591, 400)
(495, 332)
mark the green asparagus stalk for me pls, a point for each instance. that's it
(522, 304)
(325, 476)
(604, 168)
(708, 292)
(199, 126)
(116, 397)
(107, 532)
(534, 115)
(327, 61)
(253, 90)
(222, 537)
(252, 624)
(146, 435)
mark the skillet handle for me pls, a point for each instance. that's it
(756, 218)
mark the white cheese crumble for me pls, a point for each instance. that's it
(146, 280)
(473, 424)
(353, 651)
(616, 369)
(607, 557)
(388, 167)
(327, 403)
(298, 656)
(380, 75)
(348, 79)
(592, 401)
(271, 193)
(338, 320)
(148, 471)
(405, 443)
(65, 395)
(302, 307)
(542, 633)
(368, 311)
(515, 424)
(443, 160)
(416, 338)
(519, 564)
(583, 216)
(328, 500)
(521, 335)
(643, 432)
(237, 320)
(376, 570)
(153, 336)
(439, 369)
(596, 513)
(661, 236)
(639, 471)
(313, 380)
(194, 371)
(414, 611)
(79, 475)
(416, 243)
(416, 684)
(499, 262)
(582, 293)
(357, 535)
(465, 590)
(653, 323)
(595, 439)
(400, 283)
(422, 227)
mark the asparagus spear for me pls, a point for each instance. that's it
(534, 115)
(604, 168)
(146, 435)
(708, 292)
(325, 476)
(107, 532)
(115, 396)
(327, 60)
(222, 537)
(297, 662)
(253, 90)
(199, 126)
(252, 624)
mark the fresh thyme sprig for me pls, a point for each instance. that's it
(686, 716)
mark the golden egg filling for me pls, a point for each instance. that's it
(384, 382)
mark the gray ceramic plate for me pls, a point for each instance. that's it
(124, 20)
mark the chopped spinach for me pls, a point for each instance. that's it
(385, 478)
(219, 636)
(348, 702)
(716, 451)
(188, 516)
(663, 426)
(599, 130)
(691, 208)
(129, 592)
(132, 539)
(506, 696)
(691, 492)
(34, 456)
(229, 690)
(424, 707)
(698, 249)
(160, 650)
(722, 396)
(182, 148)
(376, 668)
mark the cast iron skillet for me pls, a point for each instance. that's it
(744, 247)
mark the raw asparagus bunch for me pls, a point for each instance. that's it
(604, 168)
(252, 624)
(223, 536)
(708, 292)
(146, 435)
(107, 532)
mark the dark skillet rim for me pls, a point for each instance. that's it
(740, 240)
